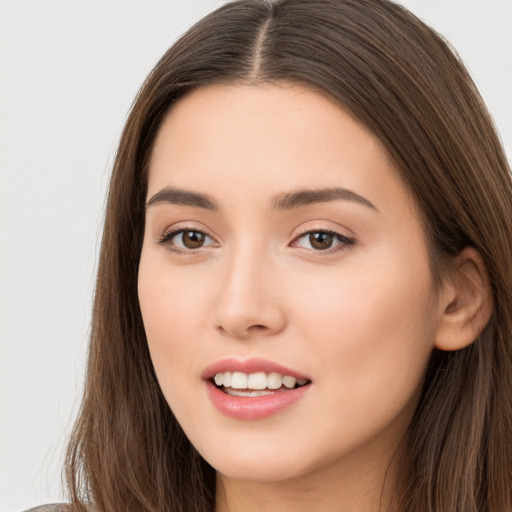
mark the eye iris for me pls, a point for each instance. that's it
(320, 240)
(193, 239)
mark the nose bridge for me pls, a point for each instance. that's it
(247, 298)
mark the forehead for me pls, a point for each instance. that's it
(258, 141)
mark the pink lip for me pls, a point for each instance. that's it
(252, 365)
(251, 408)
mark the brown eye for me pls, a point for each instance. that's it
(324, 240)
(320, 240)
(193, 239)
(186, 240)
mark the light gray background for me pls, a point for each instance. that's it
(68, 73)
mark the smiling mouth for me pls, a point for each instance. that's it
(256, 384)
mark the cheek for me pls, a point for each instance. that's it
(173, 310)
(171, 300)
(374, 332)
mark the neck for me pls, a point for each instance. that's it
(342, 487)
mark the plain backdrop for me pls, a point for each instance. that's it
(69, 71)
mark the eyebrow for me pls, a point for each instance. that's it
(300, 198)
(183, 197)
(285, 201)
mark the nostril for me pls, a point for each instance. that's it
(257, 328)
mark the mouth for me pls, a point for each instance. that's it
(255, 388)
(256, 384)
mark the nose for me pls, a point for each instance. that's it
(250, 298)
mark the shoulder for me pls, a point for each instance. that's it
(55, 507)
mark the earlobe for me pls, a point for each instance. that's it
(467, 302)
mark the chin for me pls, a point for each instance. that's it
(263, 470)
(253, 458)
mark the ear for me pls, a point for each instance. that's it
(466, 302)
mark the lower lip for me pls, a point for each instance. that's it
(253, 408)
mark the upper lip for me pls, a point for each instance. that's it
(251, 365)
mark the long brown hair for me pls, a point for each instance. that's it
(403, 82)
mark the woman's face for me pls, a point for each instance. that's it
(284, 258)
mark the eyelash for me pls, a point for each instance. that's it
(345, 242)
(166, 238)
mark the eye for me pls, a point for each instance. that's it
(323, 240)
(184, 240)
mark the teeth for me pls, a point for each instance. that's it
(246, 392)
(274, 381)
(239, 380)
(255, 381)
(289, 382)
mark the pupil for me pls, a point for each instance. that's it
(193, 239)
(320, 241)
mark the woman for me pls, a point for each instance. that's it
(304, 292)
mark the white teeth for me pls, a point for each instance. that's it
(255, 381)
(239, 380)
(289, 382)
(246, 392)
(274, 381)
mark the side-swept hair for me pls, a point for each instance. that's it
(404, 83)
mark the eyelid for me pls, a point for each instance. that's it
(174, 230)
(169, 233)
(346, 241)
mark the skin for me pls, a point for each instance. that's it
(360, 319)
